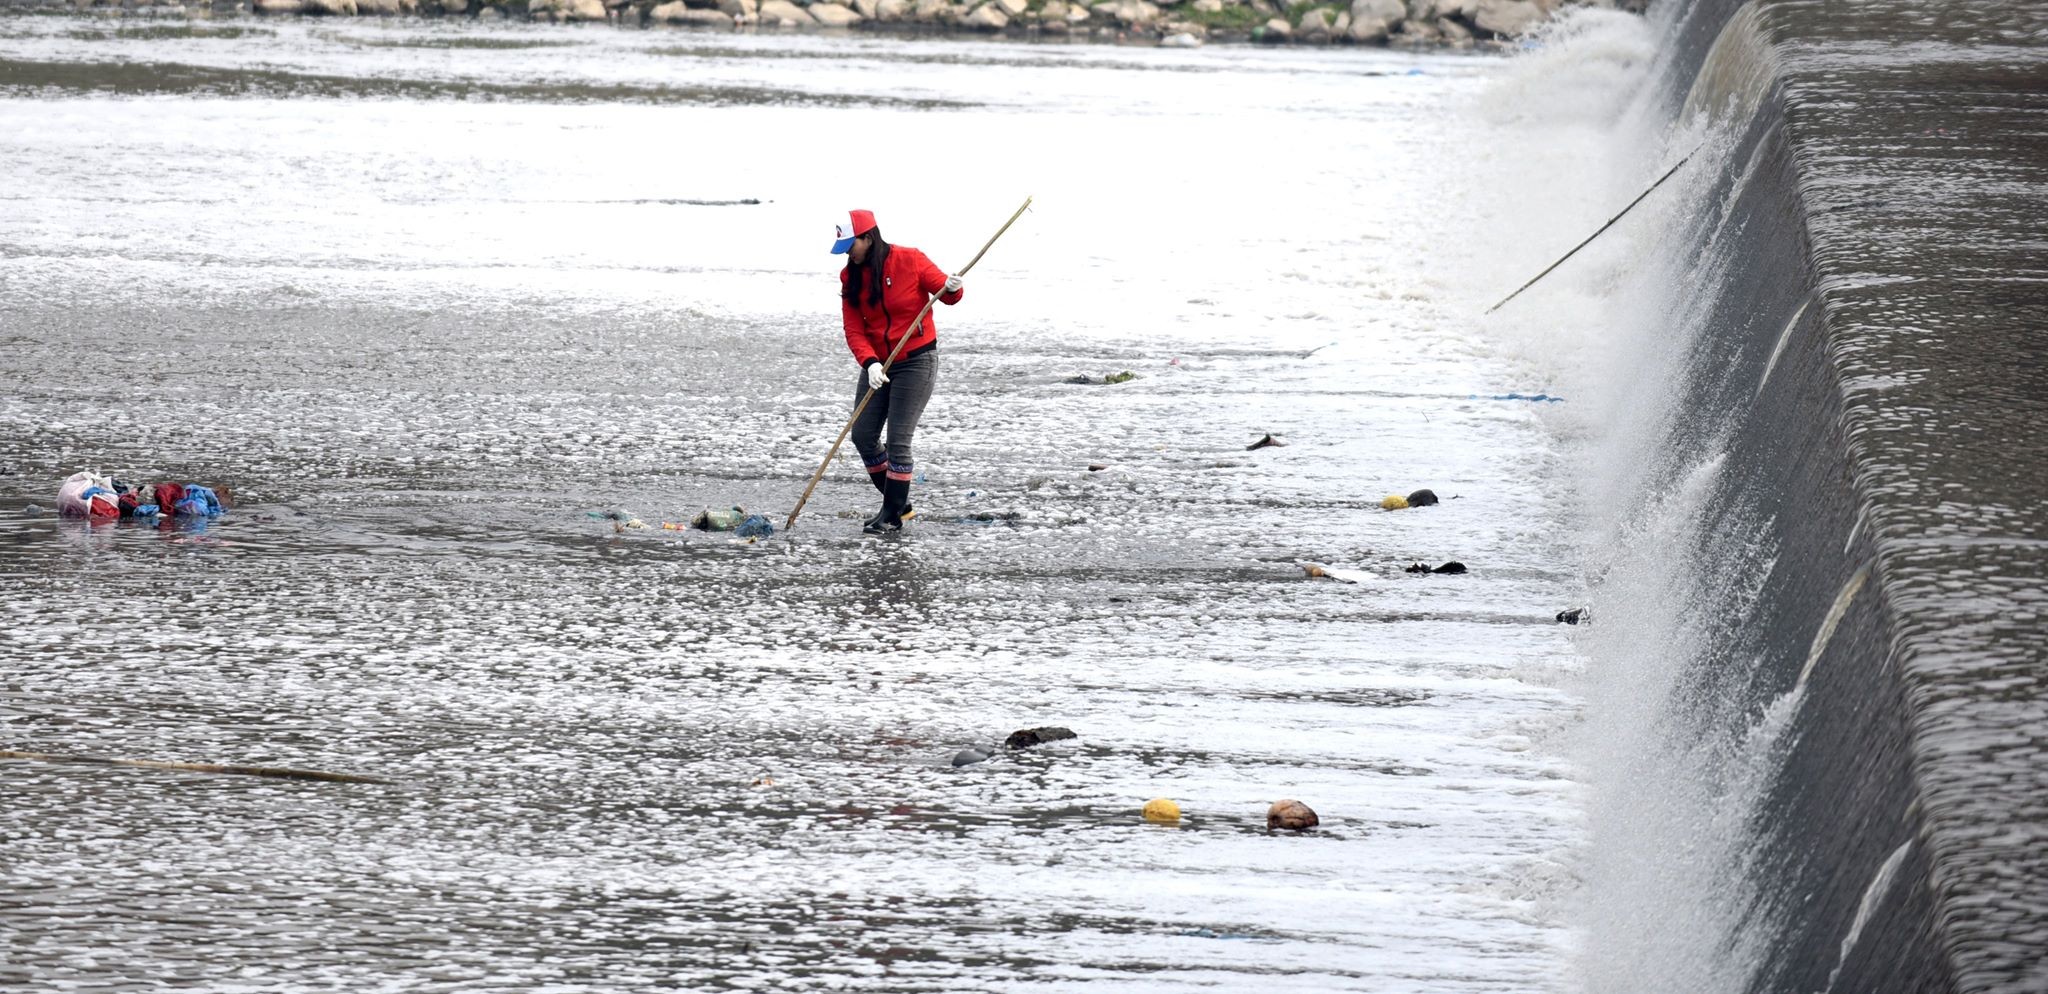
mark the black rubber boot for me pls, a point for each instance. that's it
(895, 507)
(881, 478)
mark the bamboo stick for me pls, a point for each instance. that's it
(278, 772)
(1589, 238)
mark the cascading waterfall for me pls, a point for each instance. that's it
(1813, 486)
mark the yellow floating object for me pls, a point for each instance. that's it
(1160, 809)
(1394, 502)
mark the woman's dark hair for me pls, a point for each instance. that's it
(864, 279)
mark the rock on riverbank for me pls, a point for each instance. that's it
(1415, 23)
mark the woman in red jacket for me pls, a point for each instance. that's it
(881, 289)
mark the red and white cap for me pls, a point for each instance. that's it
(857, 223)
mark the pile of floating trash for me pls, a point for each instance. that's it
(89, 495)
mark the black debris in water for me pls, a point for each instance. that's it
(1026, 738)
(1449, 567)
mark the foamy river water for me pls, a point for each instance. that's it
(426, 295)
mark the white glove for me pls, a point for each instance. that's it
(876, 378)
(952, 286)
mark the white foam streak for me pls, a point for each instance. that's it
(1873, 895)
(1779, 349)
(1834, 618)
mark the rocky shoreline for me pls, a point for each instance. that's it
(1407, 23)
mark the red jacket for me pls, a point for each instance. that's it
(908, 280)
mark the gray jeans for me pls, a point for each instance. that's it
(900, 402)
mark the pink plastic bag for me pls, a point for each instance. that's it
(85, 495)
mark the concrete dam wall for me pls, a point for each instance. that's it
(1828, 584)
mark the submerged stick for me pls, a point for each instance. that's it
(1589, 238)
(277, 772)
(870, 395)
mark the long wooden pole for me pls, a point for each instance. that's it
(870, 395)
(280, 772)
(1589, 238)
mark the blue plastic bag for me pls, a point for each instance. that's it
(200, 500)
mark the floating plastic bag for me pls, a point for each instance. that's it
(87, 495)
(726, 520)
(201, 501)
(620, 518)
(1325, 572)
